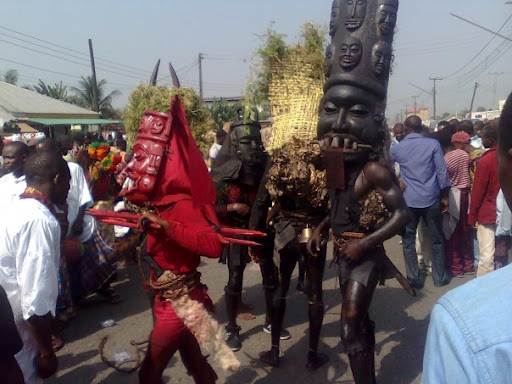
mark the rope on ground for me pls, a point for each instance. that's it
(118, 367)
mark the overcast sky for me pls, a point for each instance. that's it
(429, 42)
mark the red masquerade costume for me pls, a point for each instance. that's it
(168, 174)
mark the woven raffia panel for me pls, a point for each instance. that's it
(294, 95)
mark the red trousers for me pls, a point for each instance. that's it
(459, 248)
(170, 335)
(169, 327)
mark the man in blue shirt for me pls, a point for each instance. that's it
(423, 171)
(469, 339)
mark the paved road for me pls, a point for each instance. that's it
(401, 324)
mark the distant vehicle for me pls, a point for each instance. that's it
(485, 115)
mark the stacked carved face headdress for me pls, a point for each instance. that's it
(358, 64)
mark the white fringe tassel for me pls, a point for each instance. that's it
(207, 331)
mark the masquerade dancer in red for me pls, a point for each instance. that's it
(167, 177)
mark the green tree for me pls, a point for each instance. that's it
(274, 50)
(11, 76)
(445, 115)
(157, 99)
(86, 95)
(222, 112)
(58, 91)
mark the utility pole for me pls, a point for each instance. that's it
(200, 57)
(95, 102)
(495, 91)
(473, 100)
(415, 104)
(434, 79)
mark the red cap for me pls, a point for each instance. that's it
(461, 137)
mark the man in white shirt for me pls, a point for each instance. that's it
(79, 196)
(79, 199)
(13, 183)
(94, 271)
(1, 158)
(219, 140)
(29, 262)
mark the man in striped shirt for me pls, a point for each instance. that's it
(458, 247)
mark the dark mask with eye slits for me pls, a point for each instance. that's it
(242, 158)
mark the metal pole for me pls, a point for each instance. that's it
(200, 58)
(473, 100)
(95, 102)
(415, 104)
(434, 93)
(495, 90)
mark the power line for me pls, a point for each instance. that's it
(436, 48)
(63, 58)
(479, 52)
(481, 27)
(421, 89)
(492, 58)
(71, 50)
(63, 53)
(414, 43)
(40, 69)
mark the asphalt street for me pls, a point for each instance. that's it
(401, 328)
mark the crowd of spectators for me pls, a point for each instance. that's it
(450, 182)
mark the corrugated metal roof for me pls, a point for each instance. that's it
(71, 121)
(5, 116)
(19, 102)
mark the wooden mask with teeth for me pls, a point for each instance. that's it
(355, 90)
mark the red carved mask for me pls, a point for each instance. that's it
(148, 152)
(166, 165)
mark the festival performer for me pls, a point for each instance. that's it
(237, 170)
(367, 206)
(295, 182)
(168, 179)
(294, 186)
